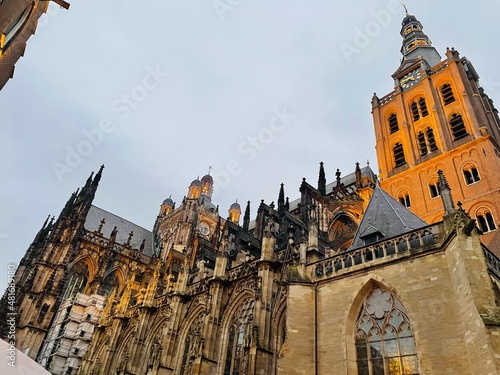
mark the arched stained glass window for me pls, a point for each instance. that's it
(385, 344)
(191, 345)
(236, 361)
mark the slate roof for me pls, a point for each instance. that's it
(386, 217)
(124, 227)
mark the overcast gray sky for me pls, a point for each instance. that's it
(159, 90)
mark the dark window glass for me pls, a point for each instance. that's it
(399, 156)
(414, 111)
(457, 127)
(423, 107)
(490, 221)
(393, 123)
(422, 144)
(447, 94)
(434, 190)
(431, 139)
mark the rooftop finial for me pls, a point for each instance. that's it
(209, 169)
(406, 10)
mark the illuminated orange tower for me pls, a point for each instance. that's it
(439, 118)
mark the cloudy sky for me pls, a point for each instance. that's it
(159, 90)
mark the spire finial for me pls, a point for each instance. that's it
(209, 169)
(406, 10)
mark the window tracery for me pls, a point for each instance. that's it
(192, 345)
(385, 344)
(236, 361)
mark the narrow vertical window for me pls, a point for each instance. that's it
(399, 156)
(434, 189)
(191, 345)
(423, 107)
(447, 94)
(422, 144)
(414, 111)
(385, 342)
(236, 361)
(431, 140)
(457, 127)
(393, 123)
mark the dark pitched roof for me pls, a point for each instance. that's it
(124, 227)
(385, 217)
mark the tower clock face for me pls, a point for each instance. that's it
(203, 228)
(410, 80)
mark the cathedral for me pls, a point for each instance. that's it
(375, 273)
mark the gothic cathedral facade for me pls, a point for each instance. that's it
(369, 274)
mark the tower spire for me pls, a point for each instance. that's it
(416, 43)
(246, 218)
(321, 179)
(281, 198)
(445, 192)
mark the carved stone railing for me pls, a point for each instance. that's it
(198, 287)
(387, 98)
(119, 248)
(492, 262)
(405, 244)
(242, 270)
(438, 67)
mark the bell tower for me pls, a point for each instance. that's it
(439, 118)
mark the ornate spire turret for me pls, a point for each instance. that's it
(445, 192)
(246, 218)
(415, 42)
(322, 179)
(281, 198)
(207, 185)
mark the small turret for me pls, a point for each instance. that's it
(167, 206)
(235, 212)
(194, 189)
(207, 186)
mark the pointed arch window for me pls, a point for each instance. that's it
(457, 127)
(404, 199)
(77, 280)
(431, 140)
(434, 188)
(418, 108)
(399, 155)
(393, 123)
(426, 142)
(422, 144)
(447, 94)
(191, 345)
(471, 174)
(236, 361)
(385, 343)
(485, 220)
